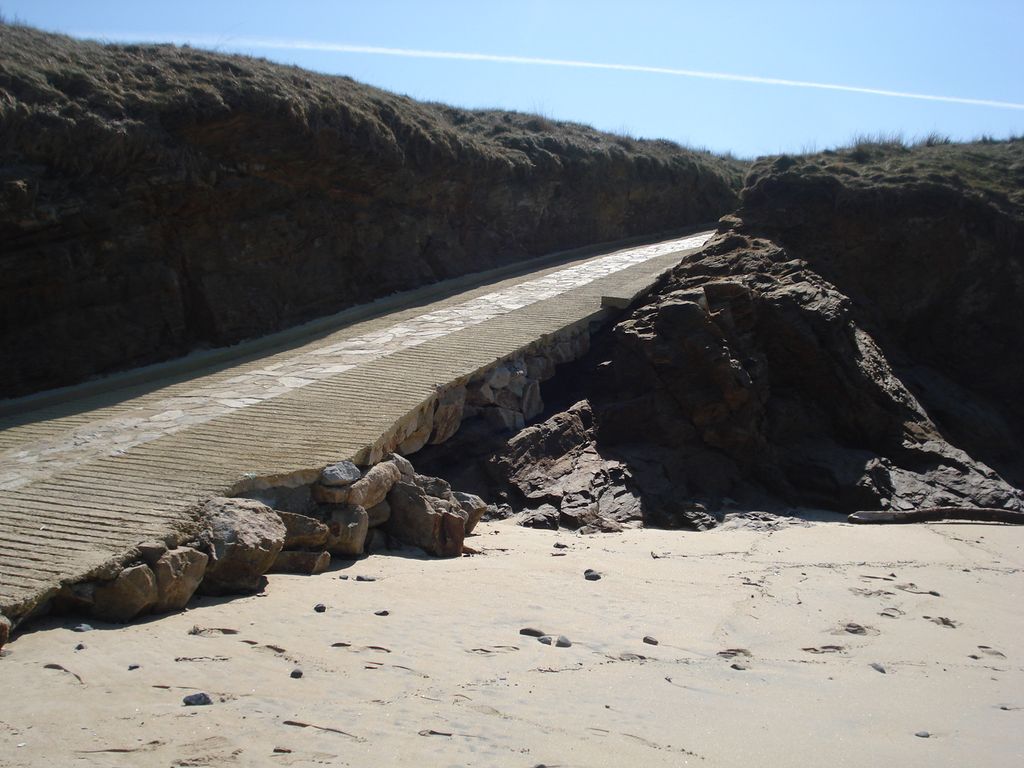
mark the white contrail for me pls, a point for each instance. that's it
(313, 45)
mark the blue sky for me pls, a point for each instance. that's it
(965, 50)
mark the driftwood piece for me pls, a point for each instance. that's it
(933, 514)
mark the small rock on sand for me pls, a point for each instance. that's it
(877, 667)
(197, 700)
(559, 642)
(591, 575)
(531, 632)
(923, 734)
(296, 673)
(382, 613)
(319, 607)
(650, 640)
(366, 578)
(82, 628)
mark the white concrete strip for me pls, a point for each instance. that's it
(33, 461)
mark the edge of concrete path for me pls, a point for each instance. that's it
(213, 358)
(21, 607)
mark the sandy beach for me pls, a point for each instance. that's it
(779, 642)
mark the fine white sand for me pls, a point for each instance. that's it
(447, 680)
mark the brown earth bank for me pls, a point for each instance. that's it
(852, 339)
(156, 199)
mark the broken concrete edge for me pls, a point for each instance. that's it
(559, 347)
(18, 612)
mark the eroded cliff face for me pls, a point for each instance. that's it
(851, 339)
(155, 199)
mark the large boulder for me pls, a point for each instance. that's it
(405, 467)
(179, 573)
(378, 514)
(437, 526)
(330, 494)
(302, 531)
(335, 482)
(294, 561)
(242, 538)
(347, 525)
(340, 474)
(131, 593)
(373, 487)
(473, 506)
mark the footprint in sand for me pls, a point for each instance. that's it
(989, 651)
(942, 621)
(913, 589)
(870, 592)
(853, 628)
(732, 653)
(891, 612)
(493, 649)
(628, 656)
(361, 649)
(211, 631)
(825, 649)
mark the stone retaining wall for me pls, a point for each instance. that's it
(297, 524)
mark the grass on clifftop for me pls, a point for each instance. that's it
(127, 87)
(992, 169)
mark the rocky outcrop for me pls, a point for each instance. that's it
(436, 525)
(301, 561)
(302, 531)
(928, 246)
(155, 199)
(242, 538)
(132, 592)
(851, 340)
(178, 574)
(348, 525)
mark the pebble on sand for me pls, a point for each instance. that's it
(296, 673)
(532, 632)
(80, 647)
(319, 607)
(197, 700)
(559, 642)
(366, 578)
(923, 734)
(591, 575)
(877, 667)
(82, 628)
(650, 640)
(382, 613)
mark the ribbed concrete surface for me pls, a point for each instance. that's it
(83, 482)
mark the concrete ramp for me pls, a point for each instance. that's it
(86, 479)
